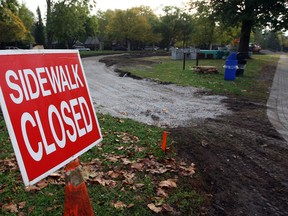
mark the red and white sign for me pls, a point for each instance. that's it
(47, 108)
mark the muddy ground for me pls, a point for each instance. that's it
(241, 159)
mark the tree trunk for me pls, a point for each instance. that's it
(246, 29)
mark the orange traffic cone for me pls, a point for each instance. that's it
(77, 201)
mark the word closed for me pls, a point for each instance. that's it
(47, 108)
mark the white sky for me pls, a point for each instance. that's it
(103, 5)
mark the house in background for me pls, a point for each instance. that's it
(94, 43)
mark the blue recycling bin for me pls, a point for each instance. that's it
(231, 66)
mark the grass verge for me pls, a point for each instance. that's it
(252, 85)
(128, 174)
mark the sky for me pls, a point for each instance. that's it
(103, 5)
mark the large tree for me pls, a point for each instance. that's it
(15, 22)
(175, 25)
(129, 25)
(248, 14)
(69, 21)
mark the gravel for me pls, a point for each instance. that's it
(147, 101)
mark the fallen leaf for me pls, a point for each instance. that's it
(101, 181)
(42, 184)
(120, 148)
(128, 175)
(32, 188)
(22, 205)
(126, 161)
(167, 208)
(111, 183)
(137, 166)
(158, 201)
(119, 205)
(113, 174)
(92, 174)
(160, 170)
(130, 205)
(139, 149)
(126, 139)
(170, 183)
(30, 209)
(55, 175)
(139, 185)
(188, 170)
(153, 208)
(161, 193)
(112, 159)
(11, 207)
(128, 182)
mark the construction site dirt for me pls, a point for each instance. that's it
(241, 159)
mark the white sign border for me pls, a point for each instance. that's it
(11, 130)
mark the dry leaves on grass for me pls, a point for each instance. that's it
(10, 207)
(8, 164)
(154, 208)
(121, 205)
(162, 208)
(169, 183)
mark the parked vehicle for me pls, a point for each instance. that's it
(82, 48)
(11, 48)
(119, 48)
(151, 48)
(255, 48)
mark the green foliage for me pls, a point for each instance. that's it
(272, 41)
(130, 25)
(173, 25)
(236, 11)
(176, 27)
(12, 27)
(248, 14)
(134, 26)
(26, 16)
(69, 21)
(12, 5)
(204, 31)
(16, 22)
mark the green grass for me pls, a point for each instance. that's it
(249, 85)
(123, 139)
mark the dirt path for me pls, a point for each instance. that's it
(146, 101)
(241, 159)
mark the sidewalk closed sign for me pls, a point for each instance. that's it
(47, 108)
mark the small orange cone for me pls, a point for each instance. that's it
(77, 202)
(164, 139)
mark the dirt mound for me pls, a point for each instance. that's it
(146, 101)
